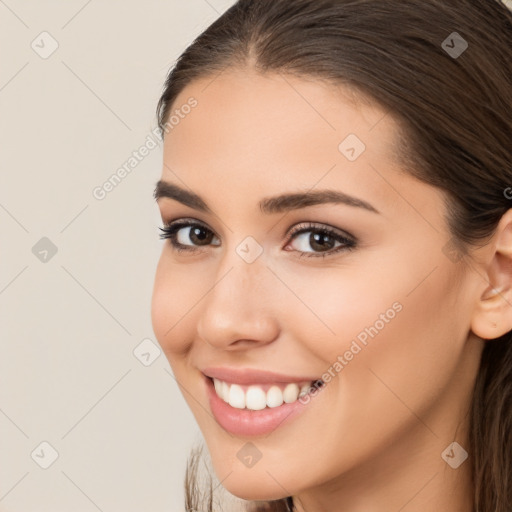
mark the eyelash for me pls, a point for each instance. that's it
(169, 231)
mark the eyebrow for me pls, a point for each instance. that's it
(268, 205)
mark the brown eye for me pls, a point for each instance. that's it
(187, 236)
(323, 240)
(197, 234)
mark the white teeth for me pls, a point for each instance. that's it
(236, 397)
(274, 397)
(225, 392)
(304, 390)
(290, 394)
(255, 398)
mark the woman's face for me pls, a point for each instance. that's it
(383, 318)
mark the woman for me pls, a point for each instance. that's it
(334, 296)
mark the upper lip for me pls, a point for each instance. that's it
(251, 376)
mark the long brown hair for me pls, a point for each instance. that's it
(454, 114)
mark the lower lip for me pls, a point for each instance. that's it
(245, 422)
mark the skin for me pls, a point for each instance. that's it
(372, 439)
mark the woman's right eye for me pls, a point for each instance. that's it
(179, 233)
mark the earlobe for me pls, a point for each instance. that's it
(492, 317)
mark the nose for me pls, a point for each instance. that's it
(238, 312)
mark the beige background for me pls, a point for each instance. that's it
(71, 321)
(69, 325)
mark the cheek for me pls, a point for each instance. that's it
(332, 307)
(399, 348)
(175, 295)
(389, 322)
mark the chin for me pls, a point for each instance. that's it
(252, 483)
(253, 491)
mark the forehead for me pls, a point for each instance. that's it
(263, 132)
(252, 108)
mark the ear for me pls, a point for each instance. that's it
(493, 312)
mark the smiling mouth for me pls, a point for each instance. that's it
(256, 397)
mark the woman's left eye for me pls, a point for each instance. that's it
(321, 238)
